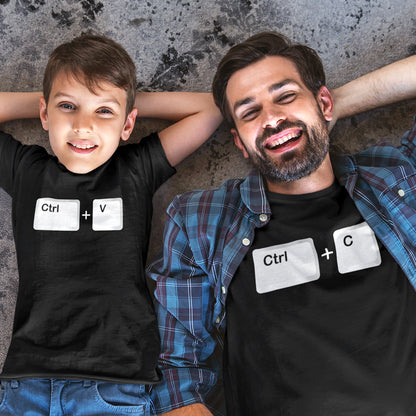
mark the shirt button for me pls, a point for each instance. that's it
(223, 290)
(400, 192)
(263, 217)
(217, 321)
(246, 242)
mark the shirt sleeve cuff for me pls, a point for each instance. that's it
(182, 387)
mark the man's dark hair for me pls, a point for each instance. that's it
(256, 48)
(92, 59)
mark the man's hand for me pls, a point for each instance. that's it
(387, 85)
(191, 410)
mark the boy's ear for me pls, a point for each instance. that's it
(326, 103)
(129, 124)
(43, 114)
(239, 143)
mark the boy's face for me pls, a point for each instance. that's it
(85, 128)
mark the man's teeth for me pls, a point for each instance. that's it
(282, 140)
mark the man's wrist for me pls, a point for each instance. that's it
(196, 409)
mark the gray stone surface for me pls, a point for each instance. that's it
(176, 45)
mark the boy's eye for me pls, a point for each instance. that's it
(105, 111)
(67, 106)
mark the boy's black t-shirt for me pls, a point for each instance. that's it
(319, 317)
(83, 308)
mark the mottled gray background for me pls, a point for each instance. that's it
(176, 45)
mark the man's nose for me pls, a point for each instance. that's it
(272, 117)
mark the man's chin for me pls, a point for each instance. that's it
(287, 172)
(284, 177)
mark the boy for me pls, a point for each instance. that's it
(85, 339)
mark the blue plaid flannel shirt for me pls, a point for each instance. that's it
(208, 233)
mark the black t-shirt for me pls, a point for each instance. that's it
(320, 318)
(83, 308)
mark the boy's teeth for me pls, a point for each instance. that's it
(84, 146)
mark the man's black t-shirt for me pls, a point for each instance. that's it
(83, 308)
(319, 317)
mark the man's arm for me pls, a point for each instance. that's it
(18, 105)
(184, 302)
(387, 85)
(191, 410)
(195, 114)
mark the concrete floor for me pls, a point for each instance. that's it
(176, 45)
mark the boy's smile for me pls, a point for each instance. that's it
(85, 127)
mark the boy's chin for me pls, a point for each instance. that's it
(82, 165)
(79, 168)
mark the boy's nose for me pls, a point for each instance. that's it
(82, 123)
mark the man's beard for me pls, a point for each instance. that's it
(297, 163)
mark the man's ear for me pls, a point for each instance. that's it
(239, 143)
(129, 124)
(43, 111)
(325, 102)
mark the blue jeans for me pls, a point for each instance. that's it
(44, 397)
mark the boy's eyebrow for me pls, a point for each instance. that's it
(112, 100)
(272, 88)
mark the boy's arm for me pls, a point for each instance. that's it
(18, 105)
(387, 85)
(195, 114)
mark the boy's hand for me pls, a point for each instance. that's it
(19, 105)
(195, 114)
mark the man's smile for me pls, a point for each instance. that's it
(280, 141)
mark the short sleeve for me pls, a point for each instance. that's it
(147, 159)
(9, 155)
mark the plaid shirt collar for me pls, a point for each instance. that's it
(253, 193)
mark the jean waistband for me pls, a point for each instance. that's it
(14, 384)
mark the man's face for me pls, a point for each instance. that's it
(280, 124)
(85, 128)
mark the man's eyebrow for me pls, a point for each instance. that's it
(282, 84)
(272, 88)
(242, 102)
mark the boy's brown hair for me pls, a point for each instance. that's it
(254, 49)
(92, 59)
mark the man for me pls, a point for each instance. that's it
(302, 269)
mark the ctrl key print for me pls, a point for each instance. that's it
(285, 265)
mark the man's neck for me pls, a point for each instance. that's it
(321, 179)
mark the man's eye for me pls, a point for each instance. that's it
(248, 115)
(287, 98)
